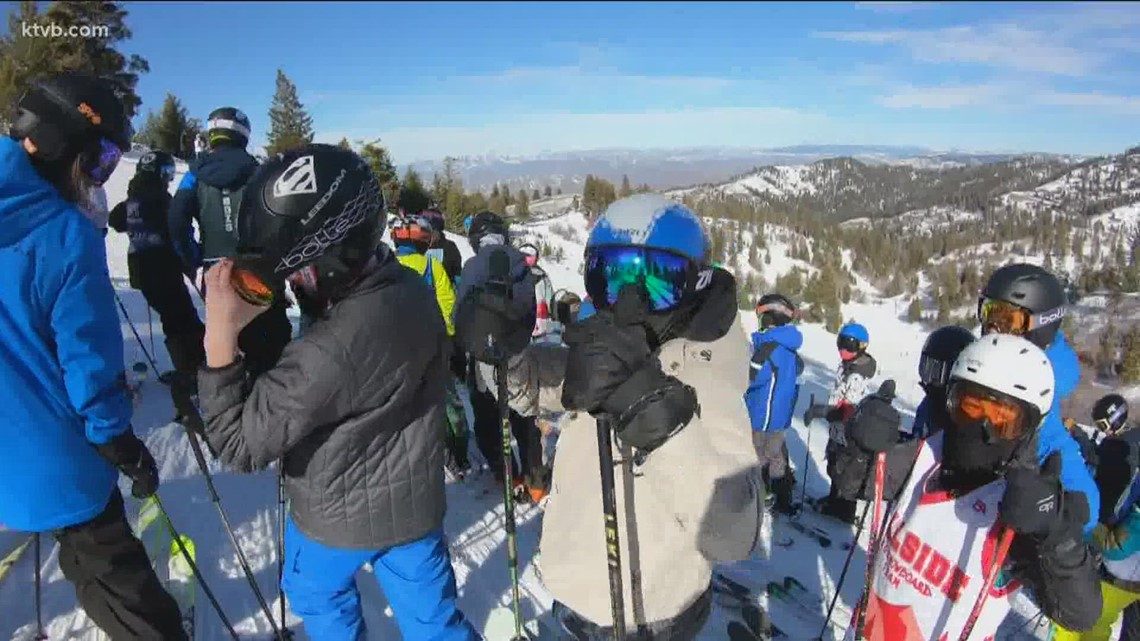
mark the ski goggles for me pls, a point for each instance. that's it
(530, 254)
(167, 172)
(775, 307)
(1009, 418)
(932, 371)
(252, 288)
(1109, 423)
(663, 276)
(412, 233)
(1004, 317)
(850, 344)
(100, 162)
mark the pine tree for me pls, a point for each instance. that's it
(25, 58)
(381, 164)
(534, 195)
(289, 124)
(508, 198)
(1130, 358)
(559, 191)
(171, 130)
(626, 190)
(413, 196)
(522, 206)
(344, 144)
(914, 310)
(547, 192)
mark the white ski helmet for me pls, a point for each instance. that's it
(1012, 367)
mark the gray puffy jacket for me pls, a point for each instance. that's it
(356, 407)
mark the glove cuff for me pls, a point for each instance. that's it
(124, 450)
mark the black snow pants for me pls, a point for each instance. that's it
(489, 437)
(157, 273)
(113, 579)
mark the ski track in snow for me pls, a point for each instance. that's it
(474, 522)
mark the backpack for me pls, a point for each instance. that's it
(218, 219)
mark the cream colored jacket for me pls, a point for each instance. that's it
(695, 500)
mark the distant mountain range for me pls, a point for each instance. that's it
(670, 168)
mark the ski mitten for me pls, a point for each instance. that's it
(1035, 504)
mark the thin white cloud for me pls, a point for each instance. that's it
(533, 133)
(1006, 46)
(1100, 101)
(941, 97)
(598, 78)
(894, 6)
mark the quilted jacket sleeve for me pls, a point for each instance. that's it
(304, 391)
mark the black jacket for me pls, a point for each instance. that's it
(452, 260)
(143, 215)
(357, 415)
(226, 168)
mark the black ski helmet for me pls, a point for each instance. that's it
(70, 114)
(317, 205)
(159, 163)
(939, 352)
(228, 125)
(483, 224)
(1110, 413)
(775, 310)
(1032, 288)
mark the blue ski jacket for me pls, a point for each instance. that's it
(1052, 437)
(773, 388)
(62, 386)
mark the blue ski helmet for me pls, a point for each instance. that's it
(653, 221)
(856, 331)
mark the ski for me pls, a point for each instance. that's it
(737, 631)
(816, 534)
(181, 583)
(735, 595)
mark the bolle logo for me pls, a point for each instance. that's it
(298, 178)
(1051, 316)
(90, 113)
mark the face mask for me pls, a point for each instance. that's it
(846, 355)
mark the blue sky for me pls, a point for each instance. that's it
(519, 78)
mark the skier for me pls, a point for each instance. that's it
(856, 369)
(156, 270)
(441, 247)
(935, 362)
(211, 193)
(772, 392)
(487, 229)
(1118, 532)
(957, 493)
(66, 424)
(412, 238)
(1026, 300)
(664, 338)
(353, 411)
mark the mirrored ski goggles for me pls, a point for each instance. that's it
(663, 276)
(850, 344)
(99, 163)
(776, 308)
(969, 403)
(251, 287)
(932, 371)
(412, 233)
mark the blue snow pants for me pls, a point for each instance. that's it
(416, 577)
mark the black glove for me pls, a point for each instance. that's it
(815, 412)
(611, 370)
(1033, 503)
(875, 425)
(127, 453)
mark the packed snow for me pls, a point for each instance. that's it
(474, 523)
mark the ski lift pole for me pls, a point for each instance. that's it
(194, 568)
(609, 513)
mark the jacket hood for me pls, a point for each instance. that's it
(784, 335)
(225, 168)
(26, 199)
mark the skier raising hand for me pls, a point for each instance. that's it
(975, 480)
(662, 357)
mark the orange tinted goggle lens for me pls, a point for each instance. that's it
(1006, 318)
(412, 232)
(1006, 418)
(251, 288)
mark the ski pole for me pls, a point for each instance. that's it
(150, 327)
(217, 501)
(508, 497)
(609, 512)
(194, 568)
(40, 636)
(138, 338)
(843, 573)
(876, 522)
(281, 544)
(991, 576)
(807, 459)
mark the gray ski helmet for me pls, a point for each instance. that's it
(939, 352)
(228, 125)
(483, 224)
(1032, 288)
(70, 114)
(158, 163)
(1110, 413)
(317, 205)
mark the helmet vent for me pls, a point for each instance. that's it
(1021, 387)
